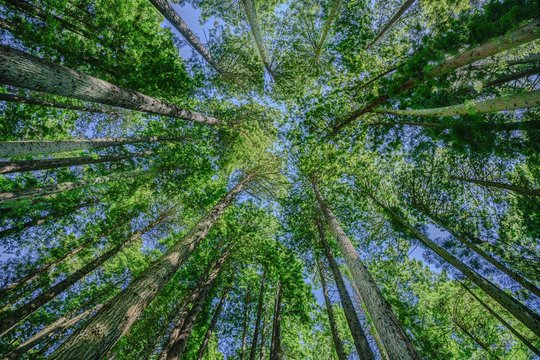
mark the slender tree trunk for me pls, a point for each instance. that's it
(529, 318)
(512, 102)
(509, 126)
(340, 351)
(262, 354)
(533, 58)
(212, 326)
(255, 338)
(515, 76)
(245, 324)
(170, 14)
(477, 249)
(115, 319)
(475, 339)
(394, 338)
(404, 7)
(359, 336)
(493, 46)
(253, 20)
(23, 70)
(333, 13)
(9, 167)
(23, 148)
(498, 185)
(11, 319)
(275, 349)
(516, 333)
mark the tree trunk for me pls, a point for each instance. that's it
(508, 126)
(359, 336)
(512, 102)
(23, 70)
(115, 319)
(28, 147)
(212, 326)
(533, 58)
(395, 340)
(12, 318)
(9, 167)
(262, 354)
(245, 324)
(340, 351)
(333, 13)
(251, 14)
(275, 349)
(255, 338)
(475, 339)
(498, 185)
(529, 318)
(493, 46)
(514, 76)
(404, 7)
(170, 14)
(477, 249)
(516, 333)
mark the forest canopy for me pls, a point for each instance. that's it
(280, 179)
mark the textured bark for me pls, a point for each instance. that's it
(61, 187)
(276, 351)
(498, 185)
(255, 338)
(212, 326)
(116, 317)
(253, 20)
(516, 333)
(170, 14)
(29, 147)
(245, 324)
(493, 46)
(12, 318)
(404, 7)
(9, 167)
(514, 76)
(527, 317)
(512, 102)
(359, 336)
(23, 70)
(478, 250)
(395, 341)
(340, 351)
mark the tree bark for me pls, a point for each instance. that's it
(170, 14)
(508, 126)
(340, 351)
(493, 46)
(262, 354)
(212, 326)
(476, 340)
(334, 11)
(12, 318)
(245, 323)
(404, 7)
(512, 102)
(533, 58)
(514, 76)
(24, 70)
(359, 336)
(394, 338)
(498, 185)
(527, 317)
(114, 320)
(253, 20)
(276, 352)
(255, 338)
(9, 167)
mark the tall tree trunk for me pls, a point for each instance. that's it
(255, 338)
(533, 58)
(24, 70)
(170, 14)
(493, 46)
(359, 336)
(61, 187)
(115, 319)
(404, 7)
(498, 185)
(512, 102)
(394, 338)
(262, 354)
(478, 249)
(275, 349)
(213, 323)
(529, 318)
(253, 20)
(245, 323)
(514, 76)
(12, 318)
(335, 6)
(9, 167)
(508, 126)
(340, 351)
(516, 333)
(54, 104)
(179, 343)
(475, 339)
(29, 147)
